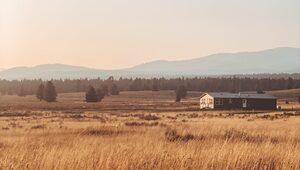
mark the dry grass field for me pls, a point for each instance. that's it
(290, 94)
(144, 130)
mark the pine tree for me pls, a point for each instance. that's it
(78, 85)
(21, 91)
(100, 94)
(105, 89)
(155, 85)
(40, 92)
(290, 83)
(181, 92)
(91, 95)
(50, 92)
(114, 89)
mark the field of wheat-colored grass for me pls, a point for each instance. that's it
(100, 136)
(166, 141)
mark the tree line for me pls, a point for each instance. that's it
(111, 85)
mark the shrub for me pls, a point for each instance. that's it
(171, 117)
(101, 131)
(193, 115)
(172, 135)
(38, 127)
(149, 117)
(100, 118)
(141, 124)
(76, 116)
(5, 128)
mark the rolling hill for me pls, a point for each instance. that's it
(278, 60)
(49, 71)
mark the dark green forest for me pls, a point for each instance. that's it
(209, 84)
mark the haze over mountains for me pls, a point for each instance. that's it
(277, 60)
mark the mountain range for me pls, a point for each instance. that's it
(277, 60)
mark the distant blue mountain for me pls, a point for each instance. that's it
(50, 71)
(278, 60)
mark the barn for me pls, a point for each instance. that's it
(238, 101)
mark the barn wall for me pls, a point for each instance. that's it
(265, 104)
(236, 103)
(206, 102)
(229, 103)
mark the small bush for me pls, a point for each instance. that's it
(15, 114)
(141, 124)
(193, 115)
(149, 117)
(172, 135)
(38, 127)
(76, 116)
(5, 128)
(187, 137)
(101, 131)
(171, 117)
(100, 118)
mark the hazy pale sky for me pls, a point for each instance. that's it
(112, 34)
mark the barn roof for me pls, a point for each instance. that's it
(241, 95)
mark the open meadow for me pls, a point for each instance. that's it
(146, 130)
(149, 85)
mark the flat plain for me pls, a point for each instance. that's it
(146, 130)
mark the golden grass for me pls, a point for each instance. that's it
(64, 142)
(290, 94)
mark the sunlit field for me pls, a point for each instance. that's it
(144, 130)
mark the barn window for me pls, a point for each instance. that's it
(202, 101)
(219, 101)
(210, 101)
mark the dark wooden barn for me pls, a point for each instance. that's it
(238, 101)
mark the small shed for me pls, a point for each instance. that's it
(257, 101)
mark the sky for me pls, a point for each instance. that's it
(113, 34)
